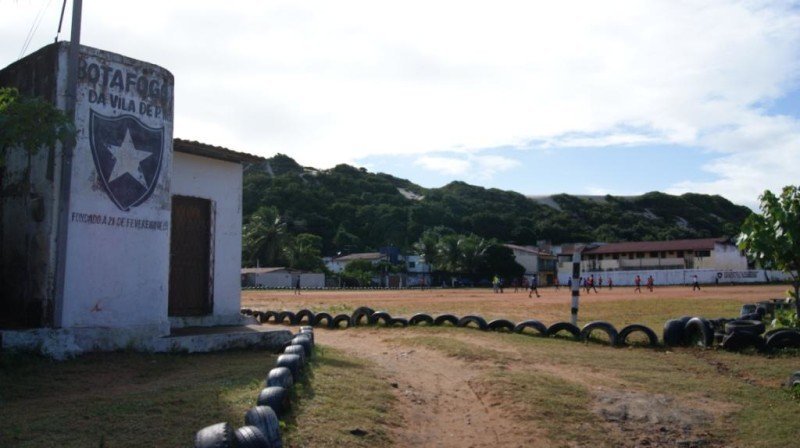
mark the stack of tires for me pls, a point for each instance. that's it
(745, 332)
(261, 423)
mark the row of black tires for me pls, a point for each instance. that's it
(368, 316)
(262, 425)
(730, 334)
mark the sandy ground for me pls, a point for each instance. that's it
(441, 402)
(553, 305)
(438, 403)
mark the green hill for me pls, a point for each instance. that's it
(352, 210)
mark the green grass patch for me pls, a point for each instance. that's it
(343, 394)
(125, 399)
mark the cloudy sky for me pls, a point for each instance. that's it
(582, 97)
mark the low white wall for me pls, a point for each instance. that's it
(682, 276)
(312, 280)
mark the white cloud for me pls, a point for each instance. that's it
(329, 82)
(467, 166)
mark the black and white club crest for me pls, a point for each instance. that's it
(127, 154)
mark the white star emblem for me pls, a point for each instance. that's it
(127, 159)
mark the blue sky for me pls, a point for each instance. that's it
(576, 96)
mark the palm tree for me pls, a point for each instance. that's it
(263, 236)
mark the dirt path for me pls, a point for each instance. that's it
(437, 402)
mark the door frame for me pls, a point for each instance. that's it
(212, 209)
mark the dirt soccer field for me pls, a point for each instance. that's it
(457, 387)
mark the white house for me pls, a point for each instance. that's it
(337, 264)
(129, 237)
(536, 261)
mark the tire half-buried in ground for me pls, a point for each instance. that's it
(420, 318)
(479, 322)
(446, 318)
(652, 338)
(605, 327)
(559, 327)
(539, 327)
(340, 319)
(362, 312)
(380, 316)
(501, 324)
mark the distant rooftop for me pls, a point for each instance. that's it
(649, 246)
(361, 256)
(214, 152)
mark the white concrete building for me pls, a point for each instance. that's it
(337, 264)
(537, 262)
(280, 277)
(130, 236)
(669, 262)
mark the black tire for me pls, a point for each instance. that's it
(220, 435)
(793, 380)
(323, 317)
(307, 314)
(275, 397)
(307, 331)
(445, 318)
(786, 338)
(296, 349)
(501, 324)
(361, 312)
(265, 316)
(246, 311)
(380, 316)
(421, 318)
(718, 337)
(285, 317)
(398, 321)
(739, 340)
(540, 328)
(558, 327)
(477, 320)
(337, 321)
(264, 418)
(698, 331)
(251, 437)
(652, 338)
(291, 362)
(748, 309)
(673, 332)
(745, 326)
(306, 343)
(605, 327)
(280, 377)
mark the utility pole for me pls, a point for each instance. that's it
(576, 287)
(67, 149)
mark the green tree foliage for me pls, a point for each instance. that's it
(360, 272)
(773, 237)
(353, 210)
(30, 123)
(263, 238)
(303, 252)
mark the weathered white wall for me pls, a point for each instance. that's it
(527, 260)
(221, 183)
(117, 267)
(312, 280)
(682, 276)
(280, 279)
(724, 256)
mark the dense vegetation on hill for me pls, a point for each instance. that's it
(353, 210)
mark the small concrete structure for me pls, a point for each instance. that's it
(139, 238)
(280, 277)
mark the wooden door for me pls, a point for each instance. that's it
(190, 257)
